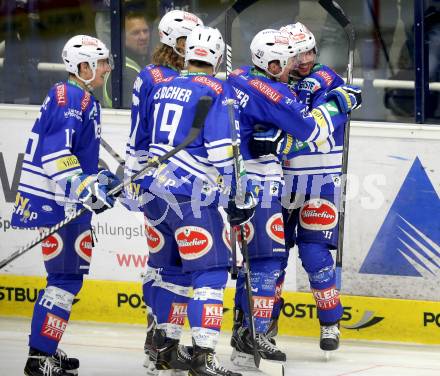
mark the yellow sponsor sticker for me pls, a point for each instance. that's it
(66, 163)
(319, 118)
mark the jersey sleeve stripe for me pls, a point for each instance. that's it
(57, 154)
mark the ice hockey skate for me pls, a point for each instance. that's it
(242, 354)
(205, 363)
(43, 365)
(329, 340)
(70, 365)
(148, 345)
(272, 332)
(169, 358)
(238, 322)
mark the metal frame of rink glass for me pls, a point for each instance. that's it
(202, 110)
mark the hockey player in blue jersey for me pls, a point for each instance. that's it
(59, 176)
(182, 210)
(312, 177)
(267, 102)
(168, 61)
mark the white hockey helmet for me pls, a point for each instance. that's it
(271, 45)
(301, 36)
(205, 44)
(83, 49)
(176, 24)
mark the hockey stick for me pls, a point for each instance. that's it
(265, 366)
(202, 110)
(231, 14)
(233, 241)
(112, 152)
(333, 8)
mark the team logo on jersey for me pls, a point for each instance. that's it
(326, 299)
(408, 242)
(318, 214)
(216, 86)
(155, 239)
(249, 233)
(275, 228)
(309, 84)
(212, 316)
(263, 306)
(265, 89)
(53, 327)
(157, 75)
(237, 72)
(177, 313)
(51, 246)
(85, 101)
(61, 94)
(84, 245)
(327, 78)
(193, 241)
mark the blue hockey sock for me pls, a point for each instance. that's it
(170, 301)
(264, 274)
(52, 311)
(148, 290)
(318, 263)
(205, 309)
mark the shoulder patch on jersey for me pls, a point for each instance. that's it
(326, 76)
(85, 101)
(309, 84)
(237, 72)
(214, 85)
(156, 75)
(265, 89)
(61, 94)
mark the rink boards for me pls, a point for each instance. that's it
(364, 318)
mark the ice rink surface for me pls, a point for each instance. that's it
(116, 350)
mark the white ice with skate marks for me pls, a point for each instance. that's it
(117, 350)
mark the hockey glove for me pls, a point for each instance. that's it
(274, 141)
(92, 190)
(239, 214)
(348, 97)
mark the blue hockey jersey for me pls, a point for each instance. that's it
(204, 168)
(144, 83)
(64, 141)
(273, 105)
(327, 157)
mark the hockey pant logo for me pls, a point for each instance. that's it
(51, 246)
(193, 242)
(275, 228)
(318, 214)
(84, 245)
(155, 239)
(249, 232)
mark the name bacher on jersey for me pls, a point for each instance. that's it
(204, 168)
